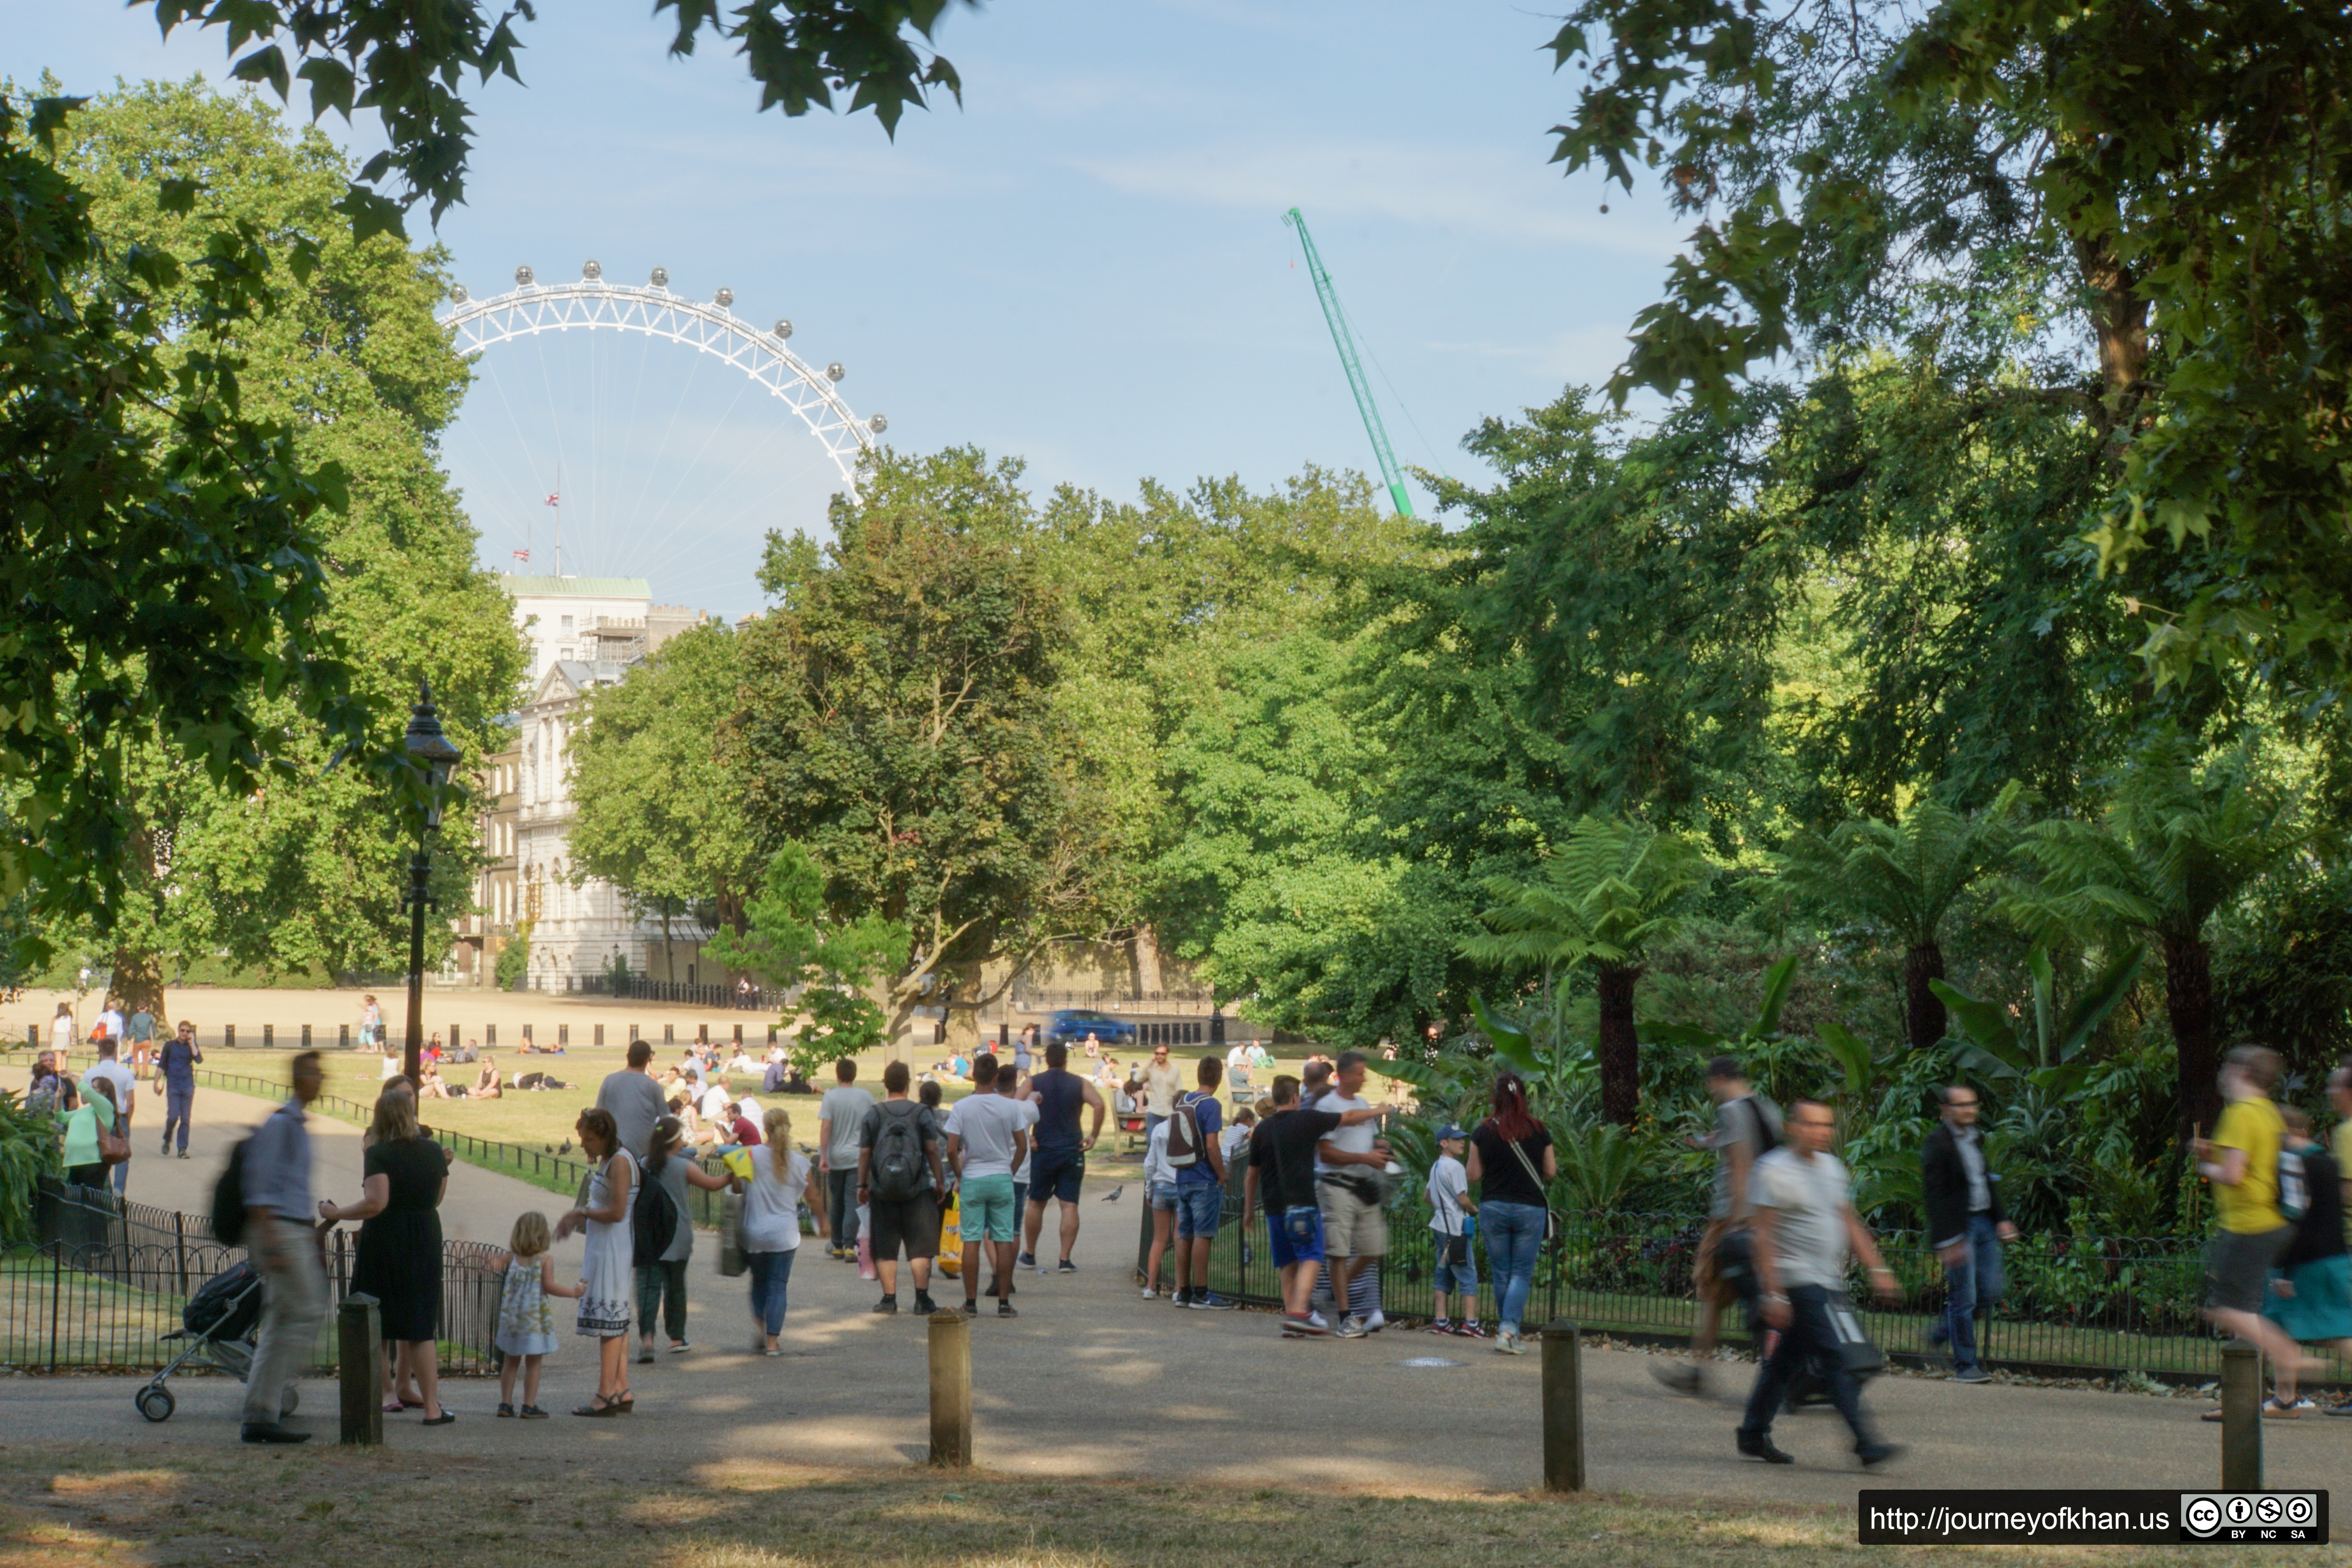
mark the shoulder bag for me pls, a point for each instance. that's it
(1551, 1217)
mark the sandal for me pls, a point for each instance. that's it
(596, 1406)
(447, 1417)
(533, 1412)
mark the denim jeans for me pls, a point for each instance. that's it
(772, 1277)
(662, 1286)
(1513, 1236)
(179, 1110)
(1974, 1282)
(841, 1203)
(1809, 1336)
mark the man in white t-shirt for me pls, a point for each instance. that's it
(714, 1100)
(111, 1069)
(1237, 1066)
(1355, 1226)
(988, 1135)
(1802, 1221)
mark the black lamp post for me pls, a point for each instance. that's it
(429, 750)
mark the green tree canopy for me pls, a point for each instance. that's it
(658, 815)
(899, 723)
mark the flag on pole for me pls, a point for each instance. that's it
(522, 555)
(554, 501)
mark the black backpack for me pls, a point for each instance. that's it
(1768, 1123)
(895, 1173)
(653, 1219)
(229, 1197)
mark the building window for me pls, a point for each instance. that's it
(567, 625)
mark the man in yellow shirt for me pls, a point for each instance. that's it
(2241, 1161)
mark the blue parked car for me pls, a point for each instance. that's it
(1073, 1025)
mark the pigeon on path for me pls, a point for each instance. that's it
(1112, 1196)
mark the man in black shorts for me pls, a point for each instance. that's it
(901, 1188)
(1057, 1166)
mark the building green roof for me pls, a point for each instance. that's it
(576, 587)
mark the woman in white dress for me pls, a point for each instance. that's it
(608, 1273)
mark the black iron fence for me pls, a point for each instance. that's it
(106, 1280)
(2075, 1305)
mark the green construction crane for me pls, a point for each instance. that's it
(1356, 382)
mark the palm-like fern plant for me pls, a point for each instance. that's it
(1903, 877)
(2175, 844)
(1606, 894)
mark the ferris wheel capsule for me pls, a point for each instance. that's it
(784, 327)
(522, 276)
(834, 371)
(661, 278)
(457, 295)
(592, 270)
(877, 425)
(724, 297)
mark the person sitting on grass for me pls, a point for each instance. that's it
(485, 1083)
(430, 1086)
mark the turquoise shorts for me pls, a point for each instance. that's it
(985, 1206)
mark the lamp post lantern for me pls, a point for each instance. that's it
(429, 750)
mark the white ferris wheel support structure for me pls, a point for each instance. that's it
(594, 304)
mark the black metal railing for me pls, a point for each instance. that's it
(2075, 1305)
(106, 1280)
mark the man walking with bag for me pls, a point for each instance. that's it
(1803, 1222)
(284, 1247)
(1966, 1227)
(1747, 1127)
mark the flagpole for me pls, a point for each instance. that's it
(559, 516)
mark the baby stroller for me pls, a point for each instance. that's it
(216, 1328)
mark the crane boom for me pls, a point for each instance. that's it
(1354, 367)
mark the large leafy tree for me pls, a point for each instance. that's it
(660, 817)
(833, 967)
(1602, 897)
(161, 577)
(1903, 878)
(296, 866)
(162, 563)
(2173, 181)
(2176, 844)
(899, 723)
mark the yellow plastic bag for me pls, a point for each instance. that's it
(950, 1261)
(738, 1164)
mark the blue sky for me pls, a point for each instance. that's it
(1085, 266)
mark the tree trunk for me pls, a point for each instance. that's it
(669, 957)
(2120, 320)
(1621, 1048)
(139, 981)
(1923, 1010)
(731, 917)
(962, 1004)
(2188, 1001)
(1143, 963)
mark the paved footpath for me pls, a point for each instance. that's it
(1091, 1381)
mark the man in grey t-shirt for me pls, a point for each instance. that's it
(839, 1115)
(1804, 1221)
(635, 1100)
(1747, 1125)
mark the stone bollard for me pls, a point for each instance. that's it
(359, 1365)
(2241, 1418)
(951, 1337)
(1563, 1406)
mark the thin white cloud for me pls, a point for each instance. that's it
(1500, 194)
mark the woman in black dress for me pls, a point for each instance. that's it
(399, 1260)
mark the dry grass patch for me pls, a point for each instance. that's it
(67, 1508)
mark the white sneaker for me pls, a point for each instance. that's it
(1150, 1294)
(1378, 1320)
(1316, 1318)
(1351, 1328)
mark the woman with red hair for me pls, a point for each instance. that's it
(1511, 1158)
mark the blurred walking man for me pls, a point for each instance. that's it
(1747, 1128)
(284, 1247)
(1803, 1222)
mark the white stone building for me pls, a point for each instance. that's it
(584, 632)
